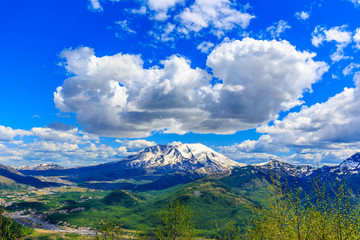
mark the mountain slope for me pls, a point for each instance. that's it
(152, 163)
(13, 174)
(351, 165)
(284, 169)
(181, 158)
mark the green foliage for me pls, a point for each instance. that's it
(25, 231)
(12, 186)
(73, 235)
(320, 216)
(110, 231)
(209, 201)
(26, 205)
(44, 238)
(176, 223)
(9, 229)
(231, 231)
(120, 197)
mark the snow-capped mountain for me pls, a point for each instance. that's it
(349, 167)
(351, 164)
(181, 158)
(42, 166)
(284, 169)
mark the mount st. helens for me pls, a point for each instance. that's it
(181, 158)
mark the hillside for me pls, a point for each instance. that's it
(9, 173)
(215, 188)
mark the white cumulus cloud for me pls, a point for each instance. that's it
(205, 47)
(278, 28)
(328, 123)
(72, 135)
(142, 10)
(349, 68)
(337, 34)
(68, 148)
(136, 145)
(356, 2)
(270, 76)
(356, 38)
(124, 25)
(8, 134)
(302, 15)
(320, 130)
(217, 14)
(161, 7)
(95, 5)
(116, 96)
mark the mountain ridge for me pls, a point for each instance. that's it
(284, 168)
(12, 174)
(163, 166)
(41, 166)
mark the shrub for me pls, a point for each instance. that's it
(176, 223)
(326, 213)
(110, 231)
(9, 229)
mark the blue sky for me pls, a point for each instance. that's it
(92, 81)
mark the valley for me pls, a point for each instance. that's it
(132, 192)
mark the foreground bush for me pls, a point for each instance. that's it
(9, 229)
(326, 213)
(110, 231)
(176, 223)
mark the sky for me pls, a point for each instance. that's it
(92, 81)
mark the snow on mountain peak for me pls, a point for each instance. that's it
(284, 168)
(182, 157)
(354, 158)
(351, 164)
(42, 166)
(272, 162)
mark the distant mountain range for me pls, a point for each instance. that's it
(284, 169)
(42, 166)
(12, 174)
(163, 166)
